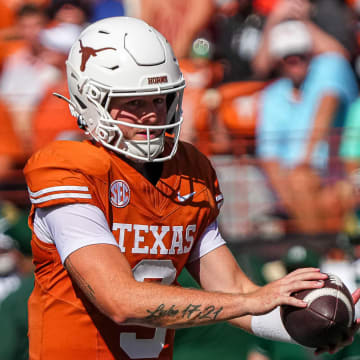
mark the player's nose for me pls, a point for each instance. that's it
(149, 118)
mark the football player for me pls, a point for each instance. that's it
(115, 219)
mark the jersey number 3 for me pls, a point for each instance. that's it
(135, 348)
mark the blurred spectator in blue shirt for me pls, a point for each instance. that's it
(316, 85)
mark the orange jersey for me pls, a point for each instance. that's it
(155, 226)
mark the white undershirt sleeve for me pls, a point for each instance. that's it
(71, 227)
(209, 240)
(270, 326)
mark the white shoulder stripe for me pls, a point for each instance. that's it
(57, 188)
(60, 196)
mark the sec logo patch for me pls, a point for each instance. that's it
(119, 193)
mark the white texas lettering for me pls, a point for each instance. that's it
(182, 240)
(177, 240)
(122, 228)
(189, 238)
(159, 239)
(140, 239)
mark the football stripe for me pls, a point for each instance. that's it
(315, 294)
(335, 280)
(60, 196)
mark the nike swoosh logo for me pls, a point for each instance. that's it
(183, 198)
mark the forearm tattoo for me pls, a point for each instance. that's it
(190, 312)
(85, 287)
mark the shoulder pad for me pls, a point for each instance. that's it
(66, 172)
(71, 155)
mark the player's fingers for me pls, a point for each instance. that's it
(320, 351)
(348, 339)
(331, 349)
(292, 301)
(305, 276)
(306, 269)
(299, 285)
(307, 273)
(356, 295)
(355, 326)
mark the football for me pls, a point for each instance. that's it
(329, 313)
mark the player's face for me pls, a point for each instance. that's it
(146, 110)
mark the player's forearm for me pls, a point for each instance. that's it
(125, 300)
(175, 307)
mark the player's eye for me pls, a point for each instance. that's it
(134, 103)
(159, 101)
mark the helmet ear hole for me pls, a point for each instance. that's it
(105, 134)
(94, 93)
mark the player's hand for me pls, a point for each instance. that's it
(348, 336)
(279, 292)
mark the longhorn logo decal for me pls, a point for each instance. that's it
(86, 52)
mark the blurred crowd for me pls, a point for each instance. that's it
(272, 98)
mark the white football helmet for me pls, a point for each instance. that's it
(122, 56)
